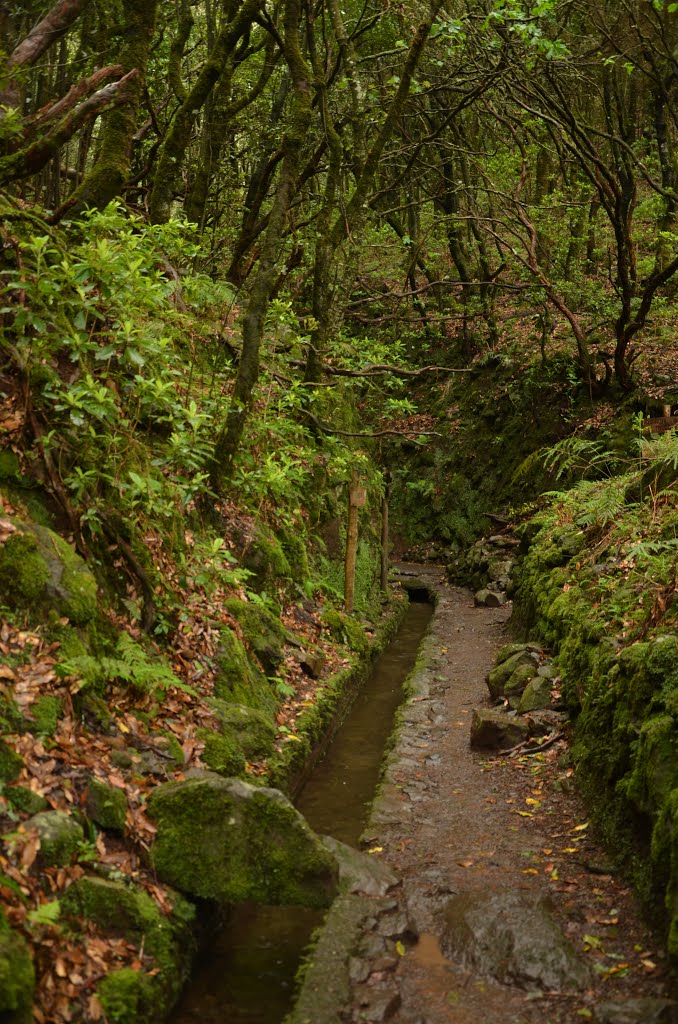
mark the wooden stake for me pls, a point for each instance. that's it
(356, 500)
(384, 532)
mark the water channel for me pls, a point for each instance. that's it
(247, 976)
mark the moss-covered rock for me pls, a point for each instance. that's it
(11, 763)
(346, 629)
(44, 715)
(123, 909)
(38, 569)
(237, 679)
(264, 633)
(25, 800)
(227, 840)
(254, 730)
(498, 678)
(17, 976)
(535, 696)
(60, 836)
(106, 805)
(128, 996)
(264, 557)
(222, 753)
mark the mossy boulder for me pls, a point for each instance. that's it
(346, 629)
(264, 633)
(60, 836)
(128, 996)
(237, 679)
(38, 569)
(25, 800)
(106, 805)
(517, 682)
(43, 716)
(17, 976)
(524, 659)
(294, 547)
(264, 557)
(11, 763)
(536, 696)
(254, 730)
(128, 911)
(227, 840)
(222, 753)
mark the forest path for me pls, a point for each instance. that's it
(452, 821)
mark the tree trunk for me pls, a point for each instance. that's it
(111, 168)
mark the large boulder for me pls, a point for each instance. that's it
(514, 938)
(227, 840)
(38, 569)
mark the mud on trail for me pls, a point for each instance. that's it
(499, 840)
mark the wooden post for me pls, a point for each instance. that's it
(356, 500)
(384, 532)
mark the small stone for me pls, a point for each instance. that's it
(495, 730)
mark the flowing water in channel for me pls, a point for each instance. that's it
(247, 977)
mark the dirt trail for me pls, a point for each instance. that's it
(449, 820)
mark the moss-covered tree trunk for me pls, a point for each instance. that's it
(112, 164)
(297, 125)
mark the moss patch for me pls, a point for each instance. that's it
(264, 633)
(17, 976)
(106, 805)
(346, 630)
(237, 679)
(38, 569)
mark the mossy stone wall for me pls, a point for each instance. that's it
(623, 696)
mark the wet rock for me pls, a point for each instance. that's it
(495, 730)
(637, 1011)
(486, 598)
(360, 872)
(225, 839)
(499, 570)
(536, 696)
(512, 937)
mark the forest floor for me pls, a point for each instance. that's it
(449, 820)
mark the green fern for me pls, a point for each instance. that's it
(129, 664)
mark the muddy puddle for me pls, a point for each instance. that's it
(248, 975)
